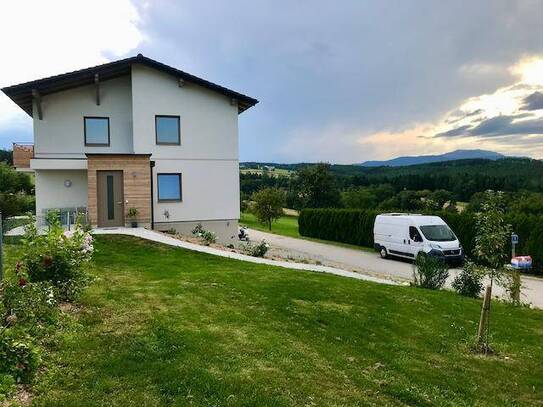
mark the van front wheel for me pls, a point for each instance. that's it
(383, 252)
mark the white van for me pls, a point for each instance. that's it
(406, 235)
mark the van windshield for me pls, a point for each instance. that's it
(438, 233)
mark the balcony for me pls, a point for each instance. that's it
(22, 154)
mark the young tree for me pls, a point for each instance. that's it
(491, 252)
(268, 205)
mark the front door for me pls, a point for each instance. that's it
(110, 198)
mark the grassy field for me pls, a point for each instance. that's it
(285, 225)
(277, 172)
(288, 226)
(166, 326)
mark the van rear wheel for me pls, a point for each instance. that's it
(383, 252)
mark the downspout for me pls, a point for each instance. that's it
(151, 165)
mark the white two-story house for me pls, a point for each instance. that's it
(134, 133)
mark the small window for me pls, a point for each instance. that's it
(414, 234)
(96, 131)
(169, 187)
(168, 130)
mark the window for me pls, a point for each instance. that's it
(169, 187)
(414, 234)
(168, 130)
(438, 233)
(96, 131)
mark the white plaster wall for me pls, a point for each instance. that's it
(51, 192)
(61, 132)
(210, 190)
(209, 122)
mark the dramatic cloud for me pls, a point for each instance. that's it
(533, 101)
(363, 80)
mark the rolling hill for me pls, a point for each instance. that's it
(426, 159)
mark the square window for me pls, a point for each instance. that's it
(169, 187)
(96, 131)
(168, 130)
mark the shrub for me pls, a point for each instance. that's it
(430, 272)
(469, 282)
(27, 304)
(341, 225)
(258, 250)
(19, 357)
(58, 257)
(19, 203)
(198, 230)
(206, 236)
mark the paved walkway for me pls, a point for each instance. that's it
(369, 262)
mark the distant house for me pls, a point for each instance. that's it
(134, 133)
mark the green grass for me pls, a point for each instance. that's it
(288, 226)
(164, 326)
(277, 172)
(285, 225)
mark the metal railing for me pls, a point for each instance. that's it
(67, 216)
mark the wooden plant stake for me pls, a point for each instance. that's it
(482, 339)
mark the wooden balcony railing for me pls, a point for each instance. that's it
(22, 154)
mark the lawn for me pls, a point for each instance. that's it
(285, 225)
(288, 226)
(166, 326)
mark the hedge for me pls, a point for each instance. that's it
(355, 226)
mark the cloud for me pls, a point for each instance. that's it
(458, 131)
(345, 84)
(43, 38)
(533, 101)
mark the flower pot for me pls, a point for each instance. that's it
(134, 224)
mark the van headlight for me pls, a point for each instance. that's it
(435, 246)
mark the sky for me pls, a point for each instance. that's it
(341, 82)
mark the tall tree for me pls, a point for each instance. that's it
(317, 188)
(6, 156)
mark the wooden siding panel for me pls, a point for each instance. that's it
(137, 184)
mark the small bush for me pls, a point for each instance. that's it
(469, 282)
(58, 257)
(429, 272)
(18, 356)
(258, 250)
(198, 230)
(27, 304)
(208, 237)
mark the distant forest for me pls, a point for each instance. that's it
(408, 187)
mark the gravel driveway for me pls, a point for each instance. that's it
(369, 262)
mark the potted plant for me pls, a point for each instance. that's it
(132, 214)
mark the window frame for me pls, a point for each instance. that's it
(85, 132)
(180, 176)
(168, 143)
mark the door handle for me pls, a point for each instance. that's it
(120, 203)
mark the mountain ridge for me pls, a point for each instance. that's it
(434, 158)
